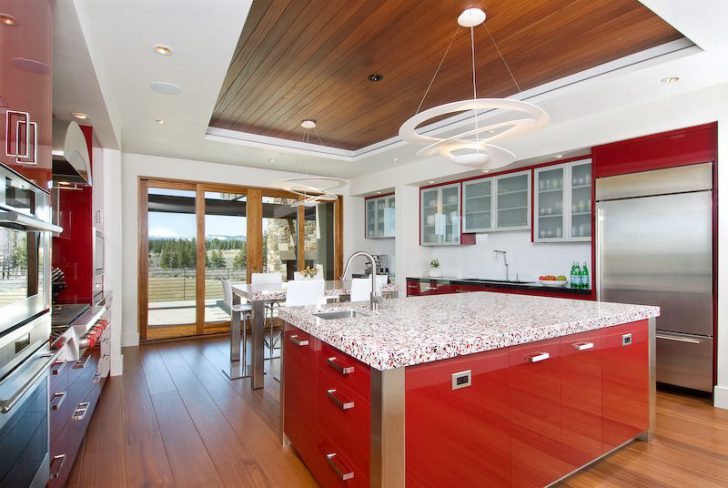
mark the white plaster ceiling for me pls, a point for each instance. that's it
(119, 36)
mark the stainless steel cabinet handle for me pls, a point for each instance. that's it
(81, 363)
(57, 400)
(344, 405)
(344, 370)
(58, 461)
(81, 411)
(97, 377)
(299, 342)
(678, 339)
(342, 472)
(583, 346)
(537, 357)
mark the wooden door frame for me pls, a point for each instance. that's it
(254, 216)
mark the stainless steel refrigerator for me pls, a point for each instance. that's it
(655, 247)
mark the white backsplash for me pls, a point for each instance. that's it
(526, 259)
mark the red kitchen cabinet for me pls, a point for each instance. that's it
(581, 371)
(536, 413)
(626, 389)
(352, 373)
(458, 437)
(25, 89)
(299, 408)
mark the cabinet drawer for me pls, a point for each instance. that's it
(300, 347)
(59, 375)
(64, 448)
(343, 416)
(333, 468)
(351, 372)
(60, 411)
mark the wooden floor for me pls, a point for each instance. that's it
(174, 419)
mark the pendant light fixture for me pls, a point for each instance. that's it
(474, 147)
(313, 189)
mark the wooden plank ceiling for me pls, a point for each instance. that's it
(310, 59)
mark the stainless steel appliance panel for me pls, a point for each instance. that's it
(658, 251)
(682, 179)
(685, 360)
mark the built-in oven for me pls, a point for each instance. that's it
(25, 240)
(25, 358)
(98, 267)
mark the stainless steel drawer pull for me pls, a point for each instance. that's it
(583, 346)
(344, 405)
(689, 340)
(57, 461)
(339, 468)
(537, 357)
(81, 363)
(81, 410)
(344, 370)
(57, 400)
(97, 377)
(299, 342)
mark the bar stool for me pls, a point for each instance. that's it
(245, 311)
(267, 279)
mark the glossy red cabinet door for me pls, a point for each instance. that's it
(458, 437)
(25, 88)
(581, 372)
(626, 390)
(536, 413)
(299, 411)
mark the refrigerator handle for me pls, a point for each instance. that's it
(598, 249)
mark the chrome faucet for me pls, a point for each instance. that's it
(505, 261)
(374, 298)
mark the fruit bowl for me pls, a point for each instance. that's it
(554, 282)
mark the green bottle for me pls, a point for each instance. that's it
(585, 276)
(574, 275)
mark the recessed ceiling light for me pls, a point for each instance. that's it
(8, 20)
(271, 160)
(160, 121)
(308, 124)
(559, 156)
(492, 131)
(431, 182)
(162, 50)
(671, 79)
(376, 77)
(80, 115)
(395, 160)
(64, 183)
(379, 193)
(165, 88)
(485, 170)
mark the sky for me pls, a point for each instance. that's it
(182, 226)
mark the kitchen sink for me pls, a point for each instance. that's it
(339, 314)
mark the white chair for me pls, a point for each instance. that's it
(305, 292)
(361, 288)
(268, 279)
(245, 310)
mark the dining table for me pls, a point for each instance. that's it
(259, 295)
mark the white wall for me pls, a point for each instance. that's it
(354, 236)
(138, 165)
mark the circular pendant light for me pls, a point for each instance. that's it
(475, 147)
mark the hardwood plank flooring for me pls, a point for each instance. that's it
(174, 419)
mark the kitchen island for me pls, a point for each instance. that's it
(472, 389)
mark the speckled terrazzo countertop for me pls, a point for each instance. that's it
(423, 329)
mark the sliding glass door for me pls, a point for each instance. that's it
(194, 235)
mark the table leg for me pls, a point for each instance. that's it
(258, 334)
(238, 367)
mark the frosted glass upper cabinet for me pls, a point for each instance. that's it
(513, 198)
(478, 205)
(563, 202)
(380, 220)
(440, 215)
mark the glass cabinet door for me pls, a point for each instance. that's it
(389, 218)
(513, 201)
(549, 203)
(429, 221)
(450, 196)
(581, 201)
(477, 205)
(371, 218)
(380, 204)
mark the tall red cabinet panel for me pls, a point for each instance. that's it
(626, 388)
(25, 89)
(581, 373)
(458, 437)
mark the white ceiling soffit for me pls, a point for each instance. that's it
(203, 39)
(75, 85)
